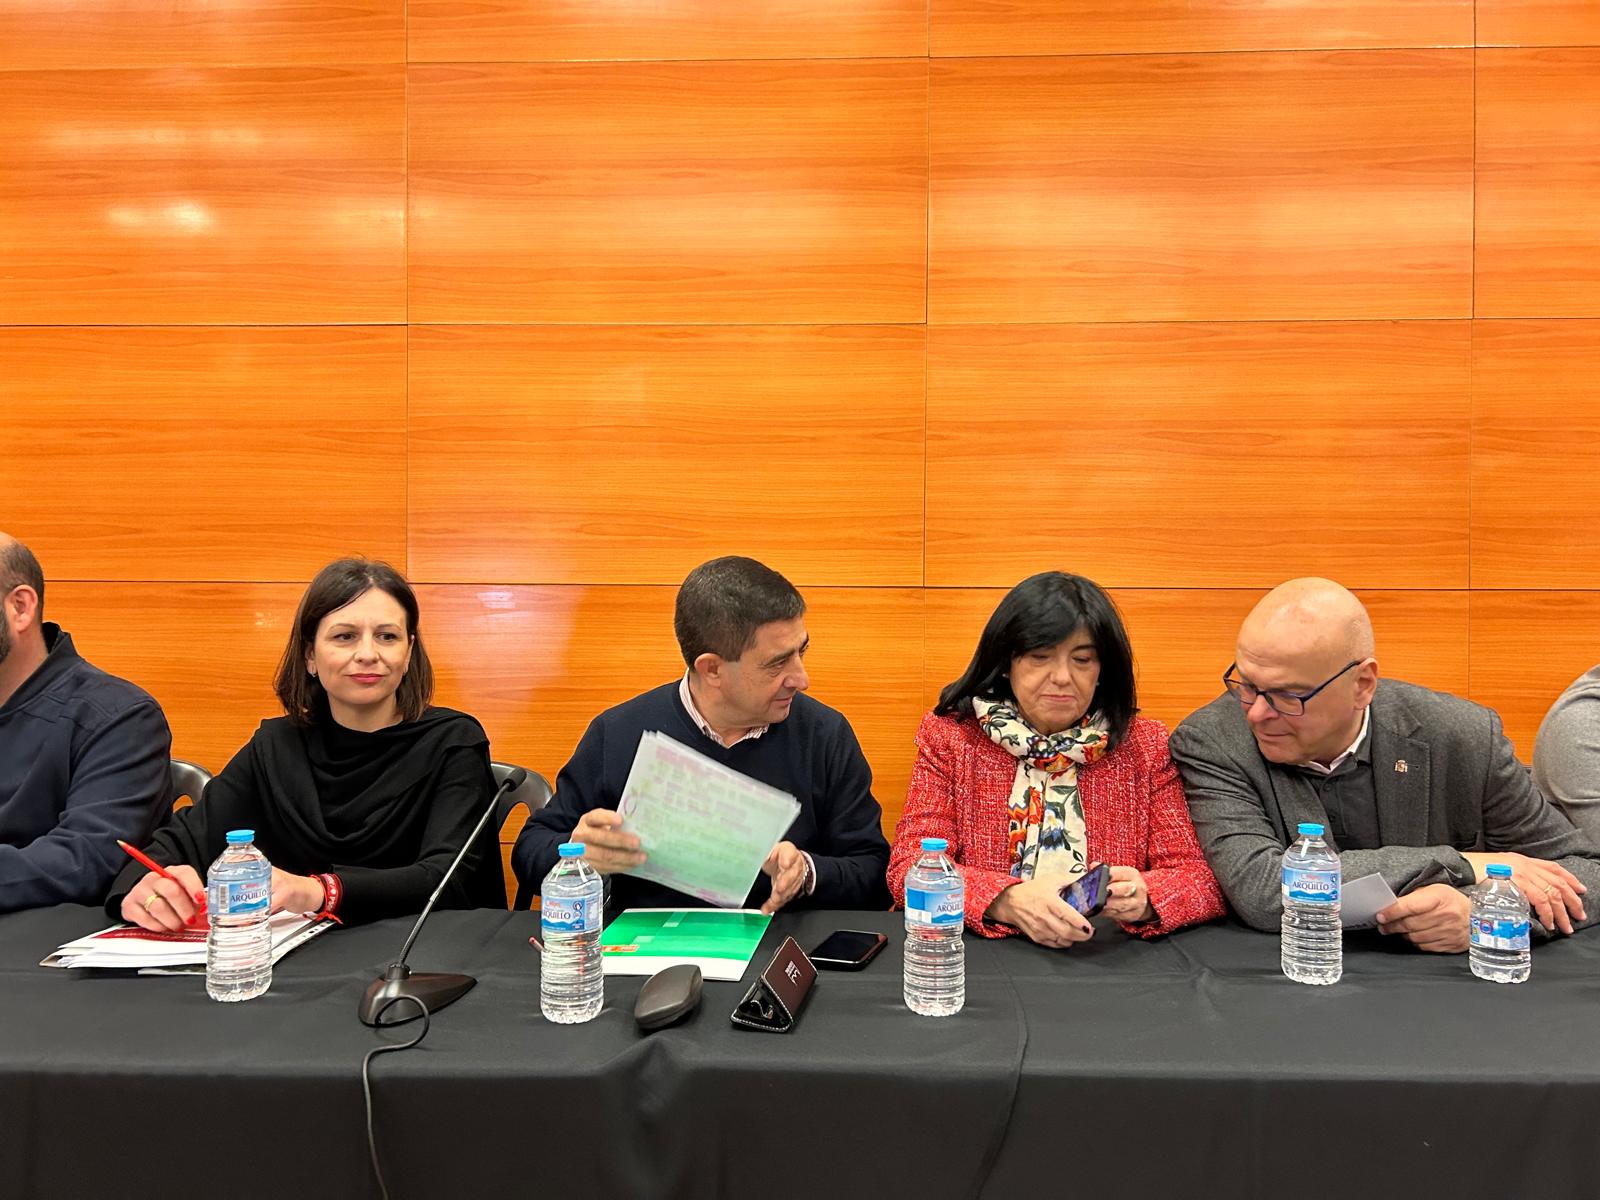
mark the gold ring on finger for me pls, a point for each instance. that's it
(153, 897)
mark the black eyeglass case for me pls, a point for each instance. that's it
(775, 999)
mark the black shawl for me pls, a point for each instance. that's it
(385, 811)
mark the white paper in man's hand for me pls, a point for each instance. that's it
(1361, 900)
(705, 828)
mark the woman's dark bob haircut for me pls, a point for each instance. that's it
(1041, 611)
(336, 585)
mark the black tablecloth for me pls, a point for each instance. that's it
(1187, 1066)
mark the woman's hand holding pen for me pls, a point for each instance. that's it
(165, 905)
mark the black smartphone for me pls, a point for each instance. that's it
(847, 950)
(1088, 894)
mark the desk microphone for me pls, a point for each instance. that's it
(383, 1002)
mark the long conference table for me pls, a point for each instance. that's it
(1186, 1066)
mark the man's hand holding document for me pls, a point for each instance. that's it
(704, 828)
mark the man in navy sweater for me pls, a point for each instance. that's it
(742, 702)
(83, 755)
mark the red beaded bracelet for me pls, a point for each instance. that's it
(332, 893)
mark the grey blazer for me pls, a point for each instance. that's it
(1446, 780)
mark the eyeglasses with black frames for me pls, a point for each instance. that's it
(1285, 704)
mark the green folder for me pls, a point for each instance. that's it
(720, 941)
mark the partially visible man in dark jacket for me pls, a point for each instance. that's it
(83, 755)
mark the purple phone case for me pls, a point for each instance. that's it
(1088, 901)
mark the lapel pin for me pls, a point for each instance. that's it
(1400, 767)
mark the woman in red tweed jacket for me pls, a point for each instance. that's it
(1035, 766)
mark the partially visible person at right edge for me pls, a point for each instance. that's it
(1566, 754)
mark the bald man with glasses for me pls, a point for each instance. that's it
(1420, 787)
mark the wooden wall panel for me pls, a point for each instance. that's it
(189, 196)
(206, 652)
(1538, 23)
(1184, 640)
(1201, 187)
(788, 192)
(629, 455)
(40, 34)
(1527, 647)
(557, 30)
(204, 454)
(1536, 454)
(1202, 455)
(1538, 183)
(537, 664)
(977, 27)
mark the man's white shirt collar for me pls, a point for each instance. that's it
(1366, 722)
(705, 726)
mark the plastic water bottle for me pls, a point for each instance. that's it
(571, 982)
(239, 902)
(1499, 950)
(935, 968)
(1313, 940)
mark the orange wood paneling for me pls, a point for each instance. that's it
(1183, 640)
(788, 192)
(556, 30)
(1199, 455)
(537, 664)
(508, 840)
(1527, 647)
(1536, 454)
(974, 27)
(1538, 23)
(1538, 183)
(1216, 186)
(628, 455)
(203, 454)
(206, 652)
(177, 196)
(39, 34)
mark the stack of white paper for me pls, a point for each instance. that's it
(705, 828)
(130, 948)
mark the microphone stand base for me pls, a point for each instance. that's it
(389, 1000)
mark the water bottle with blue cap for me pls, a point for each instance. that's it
(1499, 950)
(572, 909)
(935, 966)
(1313, 936)
(239, 905)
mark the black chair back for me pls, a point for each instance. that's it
(188, 781)
(535, 793)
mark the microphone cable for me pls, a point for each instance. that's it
(366, 1079)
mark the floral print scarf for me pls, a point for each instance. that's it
(1047, 836)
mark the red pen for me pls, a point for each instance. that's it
(141, 857)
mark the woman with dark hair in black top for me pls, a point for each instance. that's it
(361, 795)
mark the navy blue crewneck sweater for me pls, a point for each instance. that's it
(812, 754)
